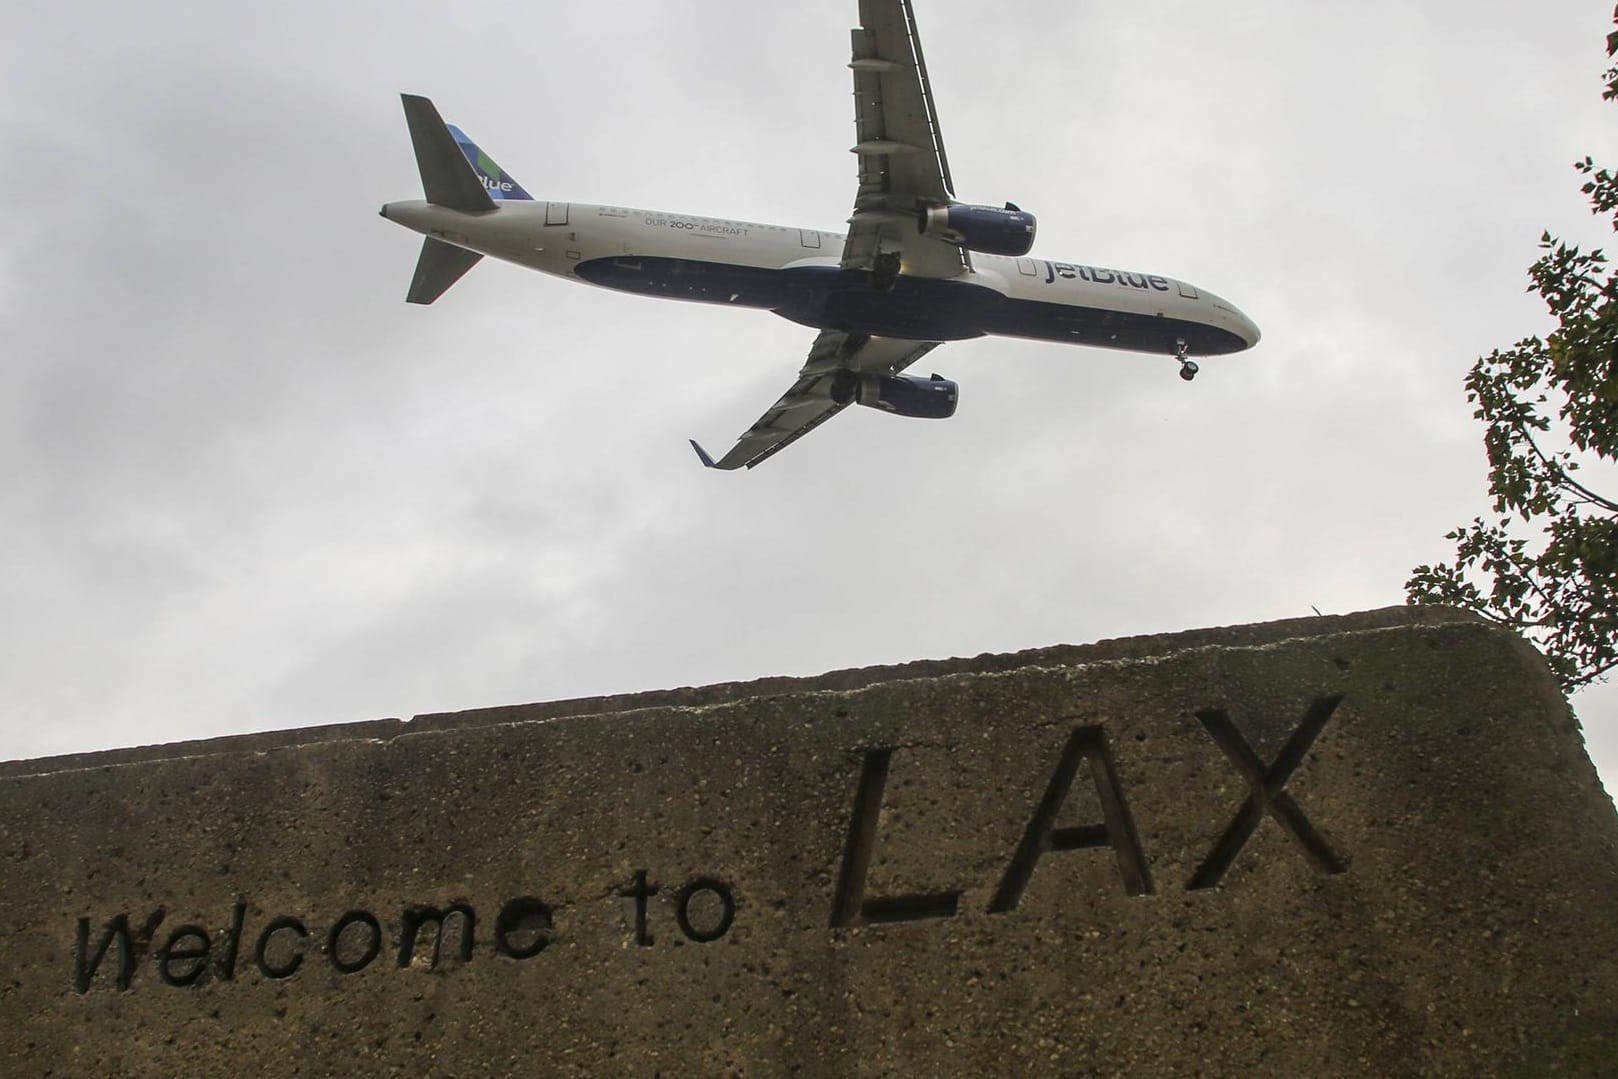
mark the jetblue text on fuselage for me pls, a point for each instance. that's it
(1101, 276)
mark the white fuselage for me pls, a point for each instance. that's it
(795, 272)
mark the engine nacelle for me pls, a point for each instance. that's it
(903, 395)
(988, 229)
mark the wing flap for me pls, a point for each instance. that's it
(902, 165)
(893, 100)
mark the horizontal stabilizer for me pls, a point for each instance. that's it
(440, 266)
(446, 176)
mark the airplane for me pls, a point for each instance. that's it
(915, 268)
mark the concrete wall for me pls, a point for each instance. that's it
(1361, 846)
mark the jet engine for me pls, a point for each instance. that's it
(988, 229)
(903, 395)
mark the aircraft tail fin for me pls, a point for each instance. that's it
(445, 177)
(496, 180)
(457, 175)
(439, 267)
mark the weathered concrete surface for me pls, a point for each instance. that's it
(965, 867)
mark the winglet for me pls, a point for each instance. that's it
(702, 454)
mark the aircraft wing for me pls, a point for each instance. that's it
(808, 403)
(901, 153)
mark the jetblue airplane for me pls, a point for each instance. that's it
(916, 267)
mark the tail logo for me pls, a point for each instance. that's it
(495, 180)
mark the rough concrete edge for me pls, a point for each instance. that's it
(1063, 655)
(403, 731)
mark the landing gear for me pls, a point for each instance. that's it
(885, 272)
(1188, 366)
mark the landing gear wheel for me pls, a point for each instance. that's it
(1188, 366)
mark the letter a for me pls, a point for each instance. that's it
(1117, 830)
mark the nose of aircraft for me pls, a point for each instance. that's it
(1228, 317)
(1247, 329)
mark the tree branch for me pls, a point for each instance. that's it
(1590, 676)
(1561, 474)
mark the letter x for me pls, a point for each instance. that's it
(1266, 793)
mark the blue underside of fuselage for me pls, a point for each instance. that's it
(919, 309)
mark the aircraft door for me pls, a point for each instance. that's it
(556, 213)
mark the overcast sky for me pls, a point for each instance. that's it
(247, 487)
